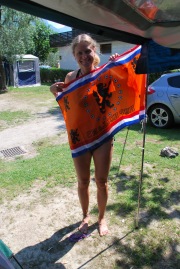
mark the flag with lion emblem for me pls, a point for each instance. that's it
(98, 105)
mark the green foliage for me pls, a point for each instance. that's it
(52, 75)
(16, 31)
(24, 34)
(155, 76)
(41, 40)
(152, 77)
(52, 59)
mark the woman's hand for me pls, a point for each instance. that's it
(113, 57)
(57, 87)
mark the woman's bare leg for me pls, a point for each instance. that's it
(102, 160)
(82, 166)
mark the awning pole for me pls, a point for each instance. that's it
(123, 148)
(142, 159)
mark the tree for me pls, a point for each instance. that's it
(41, 40)
(52, 59)
(16, 32)
(21, 33)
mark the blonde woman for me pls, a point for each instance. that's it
(84, 52)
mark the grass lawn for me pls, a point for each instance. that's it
(156, 243)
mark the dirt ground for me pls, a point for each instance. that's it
(36, 225)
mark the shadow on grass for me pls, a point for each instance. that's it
(156, 204)
(155, 200)
(141, 256)
(102, 251)
(147, 256)
(54, 111)
(171, 134)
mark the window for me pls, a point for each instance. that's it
(105, 48)
(26, 66)
(174, 81)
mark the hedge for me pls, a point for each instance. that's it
(52, 75)
(56, 74)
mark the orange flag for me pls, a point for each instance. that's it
(98, 105)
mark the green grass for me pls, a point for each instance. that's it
(149, 247)
(29, 90)
(154, 244)
(31, 94)
(52, 164)
(160, 175)
(14, 117)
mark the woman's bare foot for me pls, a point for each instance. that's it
(103, 229)
(83, 228)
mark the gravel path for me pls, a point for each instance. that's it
(24, 135)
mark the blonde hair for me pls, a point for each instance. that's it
(88, 39)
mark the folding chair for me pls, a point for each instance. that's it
(5, 250)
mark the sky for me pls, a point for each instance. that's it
(56, 25)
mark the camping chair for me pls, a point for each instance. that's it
(5, 250)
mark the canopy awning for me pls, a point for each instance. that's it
(131, 21)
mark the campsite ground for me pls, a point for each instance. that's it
(36, 221)
(36, 224)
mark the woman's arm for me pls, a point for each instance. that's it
(56, 87)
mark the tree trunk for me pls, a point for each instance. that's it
(3, 87)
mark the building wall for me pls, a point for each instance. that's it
(68, 62)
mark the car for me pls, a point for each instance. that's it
(45, 66)
(163, 101)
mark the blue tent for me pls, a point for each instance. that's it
(26, 71)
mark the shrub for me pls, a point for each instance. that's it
(155, 76)
(53, 74)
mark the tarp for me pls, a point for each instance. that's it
(101, 103)
(143, 22)
(132, 21)
(155, 58)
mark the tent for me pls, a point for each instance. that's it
(26, 71)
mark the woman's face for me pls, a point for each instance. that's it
(84, 55)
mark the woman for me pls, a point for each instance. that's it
(84, 51)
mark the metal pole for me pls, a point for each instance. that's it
(123, 149)
(142, 161)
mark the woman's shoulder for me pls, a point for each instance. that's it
(71, 76)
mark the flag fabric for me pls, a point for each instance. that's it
(98, 105)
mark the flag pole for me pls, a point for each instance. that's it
(142, 159)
